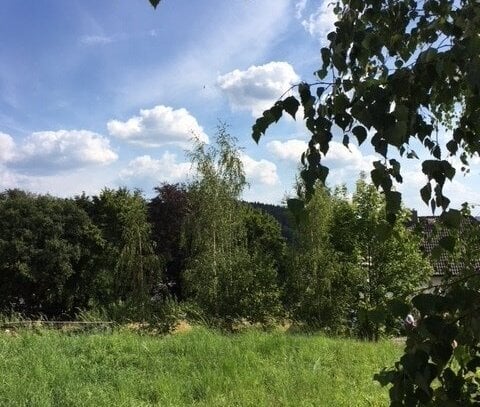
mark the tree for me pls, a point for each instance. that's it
(224, 277)
(133, 267)
(50, 253)
(319, 287)
(391, 259)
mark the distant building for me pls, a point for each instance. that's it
(431, 231)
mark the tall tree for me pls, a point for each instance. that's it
(391, 258)
(319, 289)
(224, 277)
(135, 269)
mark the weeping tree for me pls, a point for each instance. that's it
(225, 278)
(134, 268)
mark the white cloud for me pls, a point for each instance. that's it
(257, 88)
(290, 150)
(47, 151)
(159, 126)
(147, 169)
(7, 178)
(299, 8)
(7, 147)
(262, 171)
(338, 156)
(95, 40)
(319, 23)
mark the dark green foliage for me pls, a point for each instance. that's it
(49, 251)
(133, 268)
(167, 213)
(154, 3)
(392, 263)
(281, 215)
(448, 331)
(319, 283)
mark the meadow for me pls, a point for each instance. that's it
(198, 367)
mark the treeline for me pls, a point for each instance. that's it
(199, 246)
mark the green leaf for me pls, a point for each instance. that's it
(339, 61)
(401, 113)
(342, 120)
(425, 303)
(448, 170)
(360, 133)
(273, 114)
(259, 128)
(393, 201)
(154, 3)
(452, 146)
(426, 193)
(306, 99)
(396, 134)
(448, 243)
(325, 56)
(340, 103)
(323, 173)
(291, 105)
(451, 218)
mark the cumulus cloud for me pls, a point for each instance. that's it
(319, 23)
(338, 156)
(165, 169)
(290, 150)
(7, 147)
(7, 178)
(258, 87)
(157, 127)
(48, 151)
(262, 171)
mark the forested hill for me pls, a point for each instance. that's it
(280, 213)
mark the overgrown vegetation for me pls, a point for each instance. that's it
(198, 251)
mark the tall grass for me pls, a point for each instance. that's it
(201, 367)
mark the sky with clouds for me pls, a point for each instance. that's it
(107, 93)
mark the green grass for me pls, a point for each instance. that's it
(201, 368)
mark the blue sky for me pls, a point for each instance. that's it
(108, 93)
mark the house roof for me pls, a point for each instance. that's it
(431, 232)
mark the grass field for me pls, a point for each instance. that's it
(200, 367)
